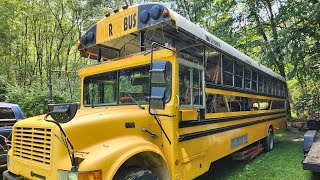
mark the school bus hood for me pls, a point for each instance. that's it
(93, 126)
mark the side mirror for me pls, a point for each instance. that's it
(159, 74)
(157, 98)
(63, 113)
(160, 71)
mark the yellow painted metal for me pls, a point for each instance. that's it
(219, 145)
(100, 133)
(117, 25)
(224, 124)
(188, 114)
(126, 62)
(240, 113)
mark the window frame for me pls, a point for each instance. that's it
(242, 74)
(117, 80)
(249, 79)
(193, 66)
(224, 59)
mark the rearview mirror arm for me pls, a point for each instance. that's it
(158, 121)
(152, 47)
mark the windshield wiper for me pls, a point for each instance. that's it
(136, 101)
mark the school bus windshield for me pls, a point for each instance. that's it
(112, 88)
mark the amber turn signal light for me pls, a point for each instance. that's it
(164, 13)
(90, 175)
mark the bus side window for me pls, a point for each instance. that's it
(216, 103)
(264, 104)
(236, 104)
(184, 85)
(197, 87)
(227, 66)
(213, 67)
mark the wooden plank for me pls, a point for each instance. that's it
(248, 154)
(314, 153)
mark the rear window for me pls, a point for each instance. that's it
(6, 113)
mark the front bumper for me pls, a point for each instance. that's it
(7, 175)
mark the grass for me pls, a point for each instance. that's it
(284, 162)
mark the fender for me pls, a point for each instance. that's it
(109, 156)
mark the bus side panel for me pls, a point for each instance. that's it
(219, 145)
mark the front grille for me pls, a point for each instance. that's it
(32, 143)
(7, 122)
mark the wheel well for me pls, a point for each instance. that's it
(271, 127)
(149, 161)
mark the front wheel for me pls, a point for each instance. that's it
(137, 174)
(269, 141)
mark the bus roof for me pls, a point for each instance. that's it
(139, 17)
(190, 27)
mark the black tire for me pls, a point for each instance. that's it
(268, 142)
(136, 174)
(315, 176)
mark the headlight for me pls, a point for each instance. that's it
(67, 175)
(73, 176)
(87, 175)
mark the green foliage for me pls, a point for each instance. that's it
(7, 11)
(39, 36)
(305, 99)
(3, 88)
(34, 99)
(31, 99)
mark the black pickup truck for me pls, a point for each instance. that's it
(9, 114)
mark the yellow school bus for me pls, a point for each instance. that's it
(164, 100)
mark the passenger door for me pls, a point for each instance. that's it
(191, 91)
(191, 108)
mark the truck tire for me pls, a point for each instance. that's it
(137, 174)
(268, 142)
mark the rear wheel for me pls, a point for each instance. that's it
(136, 174)
(269, 141)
